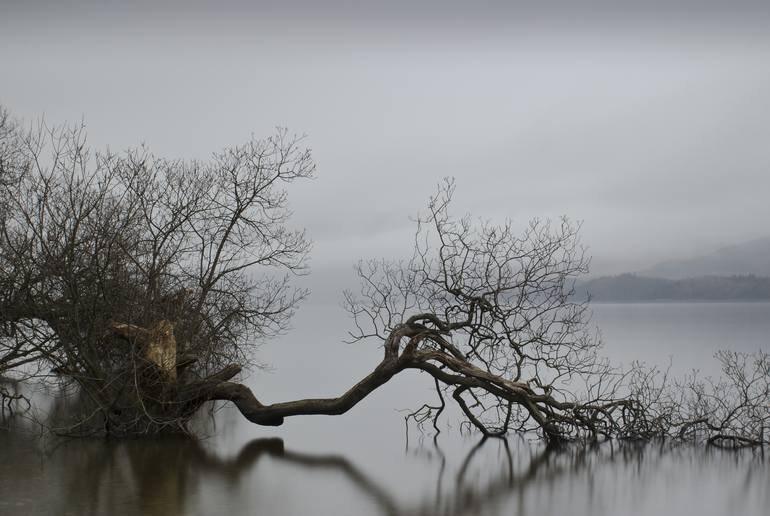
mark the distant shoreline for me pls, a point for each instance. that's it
(679, 301)
(632, 288)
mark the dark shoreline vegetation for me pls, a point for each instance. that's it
(142, 286)
(632, 287)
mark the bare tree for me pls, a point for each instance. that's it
(491, 316)
(147, 282)
(133, 276)
(732, 411)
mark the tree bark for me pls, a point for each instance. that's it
(214, 388)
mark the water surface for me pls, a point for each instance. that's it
(362, 463)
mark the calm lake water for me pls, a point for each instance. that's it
(361, 462)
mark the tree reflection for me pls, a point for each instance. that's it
(179, 476)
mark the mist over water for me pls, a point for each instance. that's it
(362, 463)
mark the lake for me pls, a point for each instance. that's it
(363, 463)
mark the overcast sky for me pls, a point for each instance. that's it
(650, 124)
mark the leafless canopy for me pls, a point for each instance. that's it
(103, 254)
(146, 282)
(492, 316)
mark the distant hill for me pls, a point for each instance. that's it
(743, 259)
(630, 287)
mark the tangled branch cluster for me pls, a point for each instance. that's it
(103, 256)
(491, 315)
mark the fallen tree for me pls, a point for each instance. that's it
(145, 284)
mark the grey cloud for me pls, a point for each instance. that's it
(647, 122)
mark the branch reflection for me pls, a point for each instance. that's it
(183, 476)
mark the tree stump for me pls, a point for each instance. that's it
(157, 343)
